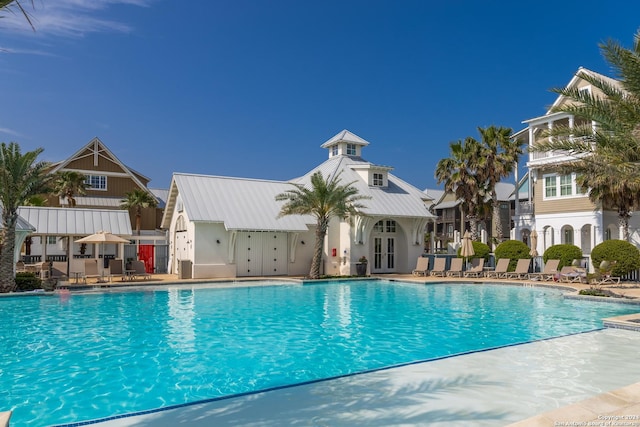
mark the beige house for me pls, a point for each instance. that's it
(558, 209)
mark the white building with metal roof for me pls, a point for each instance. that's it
(229, 227)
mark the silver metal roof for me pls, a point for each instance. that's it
(103, 202)
(161, 194)
(239, 203)
(398, 199)
(345, 136)
(21, 224)
(76, 221)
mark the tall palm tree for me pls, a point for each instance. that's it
(21, 177)
(137, 200)
(459, 174)
(8, 4)
(612, 151)
(67, 184)
(325, 199)
(499, 154)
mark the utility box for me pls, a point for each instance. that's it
(184, 269)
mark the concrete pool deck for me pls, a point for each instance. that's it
(541, 377)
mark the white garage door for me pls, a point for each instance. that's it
(261, 253)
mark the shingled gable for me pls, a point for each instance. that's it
(97, 151)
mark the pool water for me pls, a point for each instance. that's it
(72, 358)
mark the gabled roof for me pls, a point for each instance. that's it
(75, 221)
(398, 199)
(345, 136)
(97, 148)
(576, 80)
(239, 203)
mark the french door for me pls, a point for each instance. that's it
(384, 254)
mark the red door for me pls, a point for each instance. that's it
(145, 254)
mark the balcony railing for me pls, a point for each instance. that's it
(525, 208)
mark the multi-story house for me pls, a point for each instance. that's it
(108, 181)
(451, 223)
(555, 206)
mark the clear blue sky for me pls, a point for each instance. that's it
(253, 88)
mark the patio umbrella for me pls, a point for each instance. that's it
(534, 244)
(534, 249)
(102, 238)
(466, 251)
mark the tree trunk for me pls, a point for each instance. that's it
(7, 278)
(321, 230)
(497, 223)
(473, 226)
(623, 223)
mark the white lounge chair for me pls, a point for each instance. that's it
(549, 272)
(422, 267)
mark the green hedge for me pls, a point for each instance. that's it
(27, 282)
(514, 250)
(625, 255)
(565, 252)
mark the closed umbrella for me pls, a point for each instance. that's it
(466, 251)
(534, 244)
(534, 249)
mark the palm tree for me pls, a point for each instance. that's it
(324, 200)
(7, 5)
(612, 151)
(20, 178)
(137, 200)
(459, 174)
(69, 183)
(499, 154)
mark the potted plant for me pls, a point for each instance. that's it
(361, 266)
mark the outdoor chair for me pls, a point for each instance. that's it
(90, 270)
(439, 267)
(59, 270)
(571, 274)
(20, 268)
(477, 268)
(500, 271)
(455, 269)
(422, 267)
(521, 271)
(116, 269)
(139, 270)
(548, 273)
(603, 275)
(45, 270)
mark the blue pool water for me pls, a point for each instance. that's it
(80, 357)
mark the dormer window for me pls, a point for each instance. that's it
(351, 149)
(378, 179)
(334, 150)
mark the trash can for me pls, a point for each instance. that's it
(361, 268)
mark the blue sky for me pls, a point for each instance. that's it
(253, 88)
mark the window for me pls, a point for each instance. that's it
(51, 240)
(391, 226)
(378, 180)
(96, 182)
(351, 149)
(379, 227)
(334, 150)
(566, 185)
(550, 186)
(567, 235)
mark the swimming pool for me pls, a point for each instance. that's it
(67, 359)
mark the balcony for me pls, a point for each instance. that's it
(525, 208)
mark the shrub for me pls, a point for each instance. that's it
(514, 250)
(480, 250)
(625, 255)
(565, 252)
(27, 281)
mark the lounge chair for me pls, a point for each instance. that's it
(422, 267)
(571, 274)
(139, 270)
(45, 270)
(20, 268)
(477, 268)
(501, 269)
(603, 275)
(90, 270)
(521, 271)
(59, 270)
(439, 267)
(455, 269)
(116, 269)
(548, 273)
